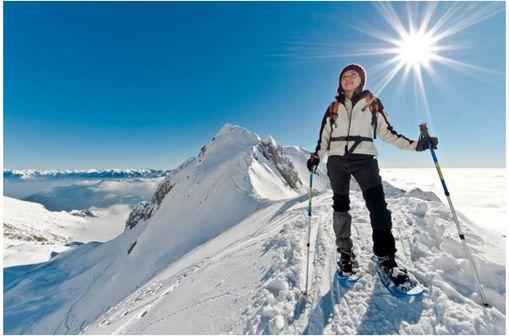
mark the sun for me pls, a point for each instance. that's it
(415, 49)
(419, 43)
(414, 42)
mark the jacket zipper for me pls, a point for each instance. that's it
(349, 124)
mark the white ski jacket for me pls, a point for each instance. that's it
(357, 122)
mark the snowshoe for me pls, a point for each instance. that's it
(395, 278)
(348, 268)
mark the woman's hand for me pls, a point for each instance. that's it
(313, 162)
(423, 143)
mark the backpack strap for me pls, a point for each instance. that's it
(375, 106)
(334, 112)
(333, 108)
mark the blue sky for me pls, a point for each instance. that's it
(132, 85)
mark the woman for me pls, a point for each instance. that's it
(348, 129)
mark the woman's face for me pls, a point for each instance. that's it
(350, 80)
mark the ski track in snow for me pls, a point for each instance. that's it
(426, 246)
(141, 301)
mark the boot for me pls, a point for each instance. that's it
(396, 274)
(345, 262)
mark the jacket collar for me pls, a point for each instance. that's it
(358, 96)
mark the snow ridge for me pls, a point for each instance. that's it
(186, 211)
(272, 173)
(225, 235)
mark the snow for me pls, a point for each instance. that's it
(255, 283)
(225, 253)
(32, 233)
(266, 186)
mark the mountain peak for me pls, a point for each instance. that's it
(270, 140)
(235, 130)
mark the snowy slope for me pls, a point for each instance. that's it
(32, 233)
(249, 279)
(199, 200)
(220, 248)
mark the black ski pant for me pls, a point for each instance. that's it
(364, 169)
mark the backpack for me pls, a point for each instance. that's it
(374, 107)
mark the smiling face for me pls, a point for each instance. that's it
(350, 80)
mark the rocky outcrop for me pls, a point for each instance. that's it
(11, 232)
(162, 190)
(82, 213)
(142, 212)
(275, 153)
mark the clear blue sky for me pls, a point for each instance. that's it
(132, 85)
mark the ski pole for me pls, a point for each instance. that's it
(310, 196)
(425, 134)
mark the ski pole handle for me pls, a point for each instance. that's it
(425, 135)
(424, 130)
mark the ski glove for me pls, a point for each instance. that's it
(423, 143)
(313, 161)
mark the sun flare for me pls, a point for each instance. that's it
(416, 49)
(420, 43)
(414, 44)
